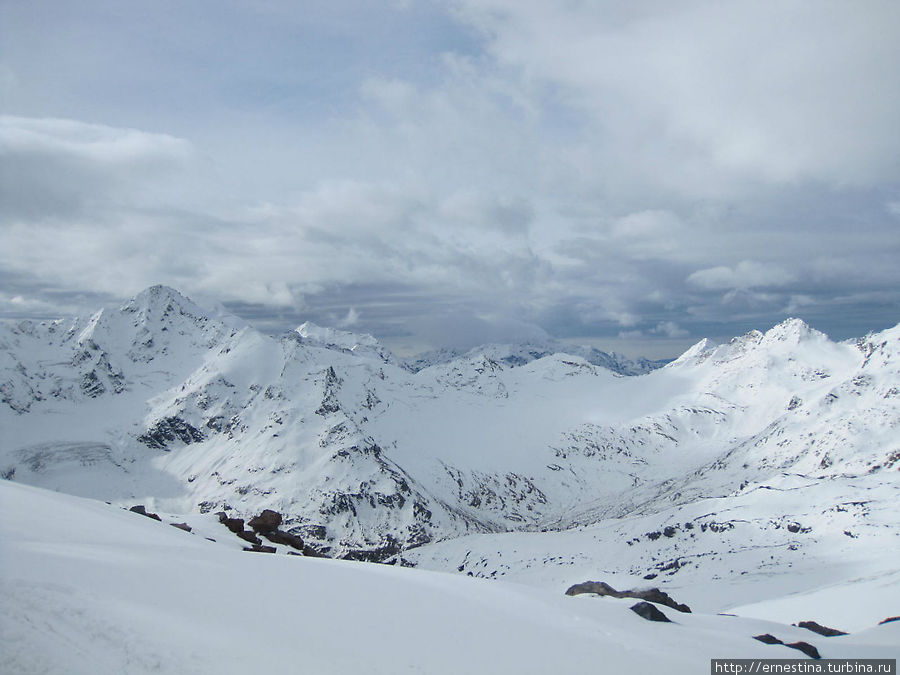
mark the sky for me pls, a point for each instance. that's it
(636, 176)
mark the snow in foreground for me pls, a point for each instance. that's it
(90, 588)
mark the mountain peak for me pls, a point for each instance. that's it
(792, 329)
(162, 297)
(145, 326)
(696, 354)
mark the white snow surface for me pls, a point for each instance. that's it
(90, 588)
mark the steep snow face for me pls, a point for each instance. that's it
(807, 404)
(160, 403)
(157, 337)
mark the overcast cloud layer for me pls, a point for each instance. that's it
(443, 174)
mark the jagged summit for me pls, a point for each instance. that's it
(781, 338)
(793, 330)
(156, 295)
(160, 302)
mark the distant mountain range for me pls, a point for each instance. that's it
(368, 456)
(520, 353)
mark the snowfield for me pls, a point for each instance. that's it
(90, 588)
(758, 478)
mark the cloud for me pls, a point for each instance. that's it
(583, 169)
(708, 99)
(670, 329)
(463, 329)
(746, 274)
(350, 320)
(59, 168)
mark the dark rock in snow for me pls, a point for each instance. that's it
(259, 548)
(234, 524)
(649, 612)
(820, 629)
(804, 647)
(91, 385)
(247, 535)
(139, 508)
(768, 639)
(598, 587)
(889, 619)
(649, 594)
(286, 538)
(267, 521)
(168, 430)
(181, 526)
(659, 597)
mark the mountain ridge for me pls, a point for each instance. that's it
(162, 403)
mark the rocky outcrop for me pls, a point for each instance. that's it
(650, 594)
(820, 629)
(266, 522)
(249, 537)
(170, 430)
(236, 525)
(650, 612)
(804, 647)
(768, 638)
(286, 538)
(260, 548)
(139, 508)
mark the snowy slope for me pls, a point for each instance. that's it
(99, 590)
(786, 538)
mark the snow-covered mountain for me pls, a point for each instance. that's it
(520, 353)
(161, 403)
